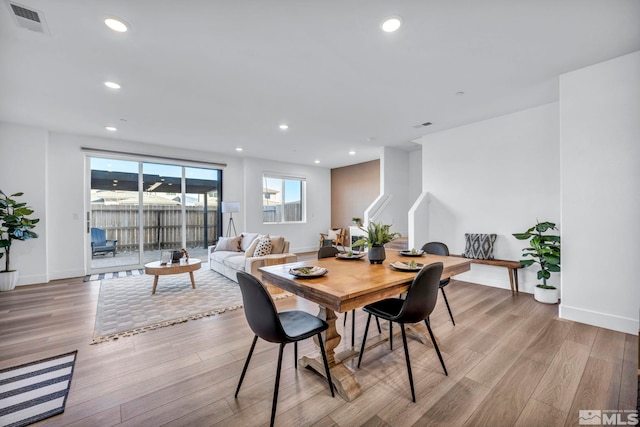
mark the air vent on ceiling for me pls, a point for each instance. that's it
(28, 18)
(423, 125)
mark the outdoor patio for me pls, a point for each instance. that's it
(125, 260)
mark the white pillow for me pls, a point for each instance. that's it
(228, 244)
(333, 234)
(252, 247)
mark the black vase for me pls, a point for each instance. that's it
(377, 254)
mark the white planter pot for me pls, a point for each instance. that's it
(546, 296)
(8, 280)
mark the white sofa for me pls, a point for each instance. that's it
(241, 256)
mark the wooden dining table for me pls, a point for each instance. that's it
(347, 285)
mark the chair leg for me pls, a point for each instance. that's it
(435, 345)
(364, 339)
(448, 308)
(275, 391)
(246, 364)
(326, 364)
(353, 328)
(295, 354)
(391, 336)
(406, 356)
(378, 323)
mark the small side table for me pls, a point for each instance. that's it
(154, 268)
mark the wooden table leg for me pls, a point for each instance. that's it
(511, 280)
(155, 284)
(343, 378)
(193, 282)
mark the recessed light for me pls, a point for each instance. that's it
(112, 85)
(283, 126)
(391, 24)
(316, 161)
(239, 148)
(111, 128)
(351, 153)
(116, 25)
(459, 93)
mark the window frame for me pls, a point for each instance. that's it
(303, 197)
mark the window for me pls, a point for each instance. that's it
(283, 199)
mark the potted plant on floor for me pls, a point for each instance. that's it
(544, 250)
(15, 224)
(377, 235)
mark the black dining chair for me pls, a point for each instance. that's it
(438, 248)
(332, 251)
(416, 307)
(283, 328)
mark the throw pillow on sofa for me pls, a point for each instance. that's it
(263, 247)
(247, 240)
(252, 247)
(228, 244)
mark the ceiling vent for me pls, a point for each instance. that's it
(25, 17)
(421, 125)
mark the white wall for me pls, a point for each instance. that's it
(24, 169)
(495, 176)
(302, 237)
(600, 151)
(395, 178)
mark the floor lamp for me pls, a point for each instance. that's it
(230, 208)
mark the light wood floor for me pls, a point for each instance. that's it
(511, 361)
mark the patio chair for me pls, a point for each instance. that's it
(100, 243)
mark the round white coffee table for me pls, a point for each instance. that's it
(156, 269)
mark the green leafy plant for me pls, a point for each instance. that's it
(356, 220)
(15, 224)
(544, 250)
(377, 235)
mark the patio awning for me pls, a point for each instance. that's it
(125, 181)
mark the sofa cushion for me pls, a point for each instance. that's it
(263, 247)
(228, 244)
(236, 262)
(247, 240)
(221, 256)
(277, 243)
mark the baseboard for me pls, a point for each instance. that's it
(602, 320)
(32, 279)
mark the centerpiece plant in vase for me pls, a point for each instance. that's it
(544, 250)
(377, 235)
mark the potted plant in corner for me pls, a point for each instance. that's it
(15, 224)
(377, 235)
(544, 250)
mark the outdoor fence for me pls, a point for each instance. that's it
(162, 226)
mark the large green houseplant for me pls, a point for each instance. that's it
(15, 224)
(544, 250)
(376, 236)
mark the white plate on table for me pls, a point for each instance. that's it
(404, 266)
(308, 272)
(409, 253)
(345, 255)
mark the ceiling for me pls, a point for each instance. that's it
(216, 75)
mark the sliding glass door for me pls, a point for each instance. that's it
(140, 208)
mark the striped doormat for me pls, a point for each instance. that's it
(35, 391)
(115, 275)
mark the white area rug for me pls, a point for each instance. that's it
(35, 391)
(126, 306)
